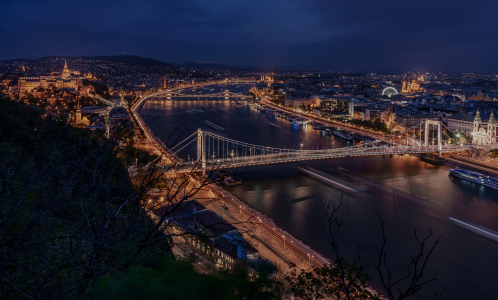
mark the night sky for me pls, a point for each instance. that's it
(363, 35)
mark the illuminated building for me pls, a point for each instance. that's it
(409, 87)
(65, 81)
(269, 79)
(482, 135)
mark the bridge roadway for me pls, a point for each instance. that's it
(206, 95)
(302, 155)
(105, 101)
(231, 95)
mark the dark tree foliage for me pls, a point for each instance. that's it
(69, 212)
(100, 89)
(178, 280)
(342, 280)
(375, 125)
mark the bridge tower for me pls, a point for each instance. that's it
(439, 126)
(201, 148)
(351, 108)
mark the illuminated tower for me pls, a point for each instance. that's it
(477, 121)
(492, 129)
(65, 73)
(477, 126)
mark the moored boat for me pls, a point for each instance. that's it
(343, 135)
(326, 131)
(273, 124)
(475, 177)
(295, 124)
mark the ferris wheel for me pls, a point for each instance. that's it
(389, 91)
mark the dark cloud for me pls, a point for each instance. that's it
(358, 34)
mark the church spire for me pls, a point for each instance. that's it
(492, 118)
(478, 116)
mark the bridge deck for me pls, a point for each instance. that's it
(275, 158)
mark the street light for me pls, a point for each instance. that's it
(284, 240)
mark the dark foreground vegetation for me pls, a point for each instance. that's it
(73, 225)
(69, 211)
(71, 217)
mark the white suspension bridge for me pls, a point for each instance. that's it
(225, 94)
(216, 151)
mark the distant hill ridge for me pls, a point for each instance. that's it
(127, 59)
(205, 66)
(143, 61)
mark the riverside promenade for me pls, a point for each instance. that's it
(371, 133)
(272, 242)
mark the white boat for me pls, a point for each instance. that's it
(273, 124)
(343, 135)
(295, 124)
(475, 178)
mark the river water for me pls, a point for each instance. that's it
(406, 191)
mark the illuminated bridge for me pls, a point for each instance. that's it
(216, 151)
(224, 94)
(106, 102)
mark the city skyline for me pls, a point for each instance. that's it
(275, 150)
(359, 36)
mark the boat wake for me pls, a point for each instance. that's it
(332, 181)
(485, 232)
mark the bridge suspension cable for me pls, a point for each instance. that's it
(217, 150)
(180, 143)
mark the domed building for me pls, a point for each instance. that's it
(65, 73)
(66, 81)
(410, 87)
(482, 135)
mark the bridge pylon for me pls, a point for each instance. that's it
(201, 148)
(439, 127)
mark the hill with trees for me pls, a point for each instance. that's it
(69, 211)
(132, 60)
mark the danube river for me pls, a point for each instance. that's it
(408, 192)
